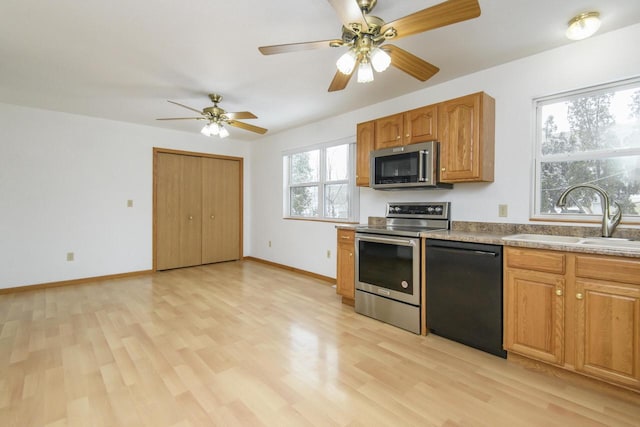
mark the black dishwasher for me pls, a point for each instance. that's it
(464, 293)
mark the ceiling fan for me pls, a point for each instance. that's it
(216, 118)
(364, 34)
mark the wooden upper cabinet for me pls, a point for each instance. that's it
(364, 145)
(389, 131)
(467, 131)
(421, 124)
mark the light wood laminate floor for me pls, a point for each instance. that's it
(243, 343)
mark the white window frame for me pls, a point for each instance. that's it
(538, 158)
(353, 191)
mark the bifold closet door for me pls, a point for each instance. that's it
(179, 211)
(220, 210)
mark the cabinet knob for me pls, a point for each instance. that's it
(190, 217)
(407, 135)
(443, 169)
(579, 296)
(213, 217)
(350, 254)
(398, 137)
(559, 292)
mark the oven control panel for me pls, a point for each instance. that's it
(429, 210)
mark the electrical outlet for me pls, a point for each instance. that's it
(129, 203)
(269, 243)
(70, 256)
(328, 253)
(503, 210)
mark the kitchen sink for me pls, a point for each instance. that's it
(544, 238)
(605, 242)
(599, 242)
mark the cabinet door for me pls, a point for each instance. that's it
(364, 146)
(178, 211)
(345, 280)
(608, 331)
(221, 210)
(534, 314)
(389, 131)
(421, 124)
(466, 128)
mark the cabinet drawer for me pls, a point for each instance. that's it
(622, 270)
(346, 236)
(537, 260)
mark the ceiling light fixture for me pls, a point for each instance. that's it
(366, 53)
(347, 61)
(365, 72)
(583, 26)
(214, 128)
(380, 60)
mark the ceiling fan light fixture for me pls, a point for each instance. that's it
(380, 60)
(365, 72)
(206, 130)
(346, 62)
(223, 133)
(583, 26)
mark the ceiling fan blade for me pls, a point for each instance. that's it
(440, 15)
(241, 115)
(248, 127)
(341, 80)
(348, 11)
(185, 106)
(296, 47)
(183, 118)
(410, 64)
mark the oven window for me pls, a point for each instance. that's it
(386, 265)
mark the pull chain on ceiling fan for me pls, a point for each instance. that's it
(216, 118)
(364, 35)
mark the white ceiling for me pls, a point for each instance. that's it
(122, 59)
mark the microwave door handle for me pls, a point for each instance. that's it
(422, 173)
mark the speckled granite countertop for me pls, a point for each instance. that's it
(492, 233)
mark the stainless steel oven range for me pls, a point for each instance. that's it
(388, 262)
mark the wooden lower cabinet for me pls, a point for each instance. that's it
(346, 274)
(581, 313)
(535, 315)
(608, 319)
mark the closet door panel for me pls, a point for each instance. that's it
(221, 210)
(179, 211)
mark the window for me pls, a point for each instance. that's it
(320, 182)
(590, 136)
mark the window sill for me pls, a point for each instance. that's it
(592, 219)
(333, 221)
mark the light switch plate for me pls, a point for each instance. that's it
(503, 211)
(129, 203)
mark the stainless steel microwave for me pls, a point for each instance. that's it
(406, 167)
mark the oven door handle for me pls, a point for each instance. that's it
(404, 242)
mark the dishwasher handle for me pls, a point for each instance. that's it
(465, 250)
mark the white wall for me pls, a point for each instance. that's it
(303, 244)
(65, 179)
(64, 184)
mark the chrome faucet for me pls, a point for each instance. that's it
(609, 223)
